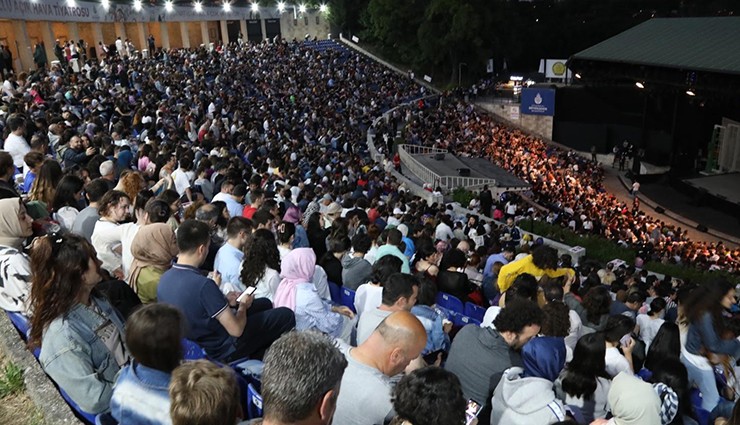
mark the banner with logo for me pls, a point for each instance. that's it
(538, 101)
(489, 66)
(555, 68)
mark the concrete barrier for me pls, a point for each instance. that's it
(39, 386)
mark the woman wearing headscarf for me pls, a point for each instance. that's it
(153, 248)
(293, 215)
(300, 295)
(633, 402)
(526, 395)
(15, 268)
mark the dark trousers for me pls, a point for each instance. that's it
(264, 325)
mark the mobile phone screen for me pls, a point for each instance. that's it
(247, 292)
(471, 411)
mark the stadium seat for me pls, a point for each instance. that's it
(20, 321)
(475, 311)
(462, 320)
(450, 302)
(348, 298)
(702, 416)
(336, 292)
(254, 404)
(192, 351)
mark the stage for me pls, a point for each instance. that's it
(479, 167)
(722, 186)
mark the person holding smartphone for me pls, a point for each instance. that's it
(618, 335)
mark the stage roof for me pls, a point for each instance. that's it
(690, 44)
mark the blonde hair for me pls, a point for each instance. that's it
(202, 393)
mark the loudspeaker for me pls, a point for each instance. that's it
(659, 209)
(702, 228)
(439, 156)
(464, 172)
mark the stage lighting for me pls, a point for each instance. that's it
(640, 85)
(168, 6)
(105, 4)
(281, 7)
(255, 7)
(323, 8)
(302, 8)
(137, 5)
(690, 92)
(71, 3)
(198, 6)
(227, 6)
(578, 75)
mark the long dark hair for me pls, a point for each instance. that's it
(58, 264)
(707, 298)
(597, 302)
(64, 195)
(588, 363)
(673, 373)
(260, 252)
(665, 345)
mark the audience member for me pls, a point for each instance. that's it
(202, 392)
(399, 294)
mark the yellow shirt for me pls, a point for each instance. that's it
(509, 272)
(147, 284)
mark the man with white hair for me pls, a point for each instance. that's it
(108, 173)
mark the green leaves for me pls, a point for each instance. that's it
(11, 380)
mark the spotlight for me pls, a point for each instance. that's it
(323, 8)
(578, 75)
(105, 4)
(281, 7)
(227, 6)
(302, 8)
(137, 5)
(198, 6)
(168, 6)
(690, 93)
(640, 85)
(71, 3)
(255, 7)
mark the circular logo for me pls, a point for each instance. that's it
(558, 68)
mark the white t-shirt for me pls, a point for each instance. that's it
(182, 183)
(66, 217)
(128, 231)
(368, 297)
(17, 147)
(616, 362)
(648, 328)
(106, 239)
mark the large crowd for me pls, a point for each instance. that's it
(208, 203)
(568, 185)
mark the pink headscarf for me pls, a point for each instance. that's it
(297, 267)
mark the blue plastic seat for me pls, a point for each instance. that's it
(475, 311)
(348, 298)
(463, 320)
(86, 417)
(336, 292)
(702, 416)
(254, 403)
(450, 302)
(21, 322)
(192, 351)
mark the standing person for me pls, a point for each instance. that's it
(39, 55)
(705, 340)
(150, 44)
(635, 188)
(80, 333)
(486, 201)
(225, 334)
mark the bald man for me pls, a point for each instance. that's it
(365, 395)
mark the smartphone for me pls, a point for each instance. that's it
(247, 292)
(471, 411)
(625, 340)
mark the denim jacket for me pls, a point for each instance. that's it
(75, 357)
(437, 339)
(702, 334)
(141, 396)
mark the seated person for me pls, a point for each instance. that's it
(78, 330)
(230, 256)
(369, 295)
(223, 333)
(451, 278)
(261, 265)
(356, 270)
(438, 338)
(399, 294)
(430, 396)
(298, 293)
(15, 267)
(154, 247)
(202, 392)
(154, 337)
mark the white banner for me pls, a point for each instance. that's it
(555, 68)
(489, 66)
(428, 79)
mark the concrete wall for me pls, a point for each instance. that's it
(313, 24)
(537, 124)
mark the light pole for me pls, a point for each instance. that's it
(459, 73)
